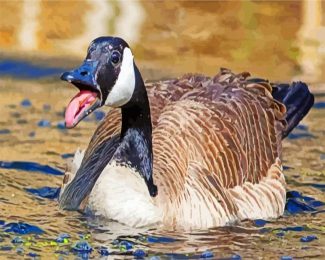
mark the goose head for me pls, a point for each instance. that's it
(106, 77)
(109, 76)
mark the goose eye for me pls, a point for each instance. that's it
(115, 57)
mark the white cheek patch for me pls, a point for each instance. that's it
(123, 89)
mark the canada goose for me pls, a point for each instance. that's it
(208, 154)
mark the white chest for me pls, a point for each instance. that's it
(121, 194)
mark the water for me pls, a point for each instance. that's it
(35, 146)
(33, 156)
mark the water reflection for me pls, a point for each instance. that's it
(58, 27)
(95, 22)
(267, 38)
(102, 19)
(311, 40)
(27, 33)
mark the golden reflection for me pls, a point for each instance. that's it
(66, 28)
(8, 26)
(27, 33)
(172, 37)
(311, 39)
(95, 22)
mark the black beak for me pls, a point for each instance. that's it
(83, 77)
(88, 99)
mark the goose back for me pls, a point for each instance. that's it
(215, 138)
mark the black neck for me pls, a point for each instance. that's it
(136, 134)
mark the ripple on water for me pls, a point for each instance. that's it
(297, 203)
(45, 192)
(304, 217)
(21, 228)
(30, 167)
(319, 105)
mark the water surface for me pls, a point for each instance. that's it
(34, 146)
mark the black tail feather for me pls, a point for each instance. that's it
(298, 101)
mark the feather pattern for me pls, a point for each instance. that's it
(216, 149)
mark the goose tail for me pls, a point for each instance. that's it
(297, 99)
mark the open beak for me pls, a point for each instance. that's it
(89, 97)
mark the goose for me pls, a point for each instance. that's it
(193, 152)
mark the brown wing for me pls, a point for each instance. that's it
(231, 127)
(108, 127)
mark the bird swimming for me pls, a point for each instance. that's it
(193, 152)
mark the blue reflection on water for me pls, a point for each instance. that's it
(30, 167)
(27, 70)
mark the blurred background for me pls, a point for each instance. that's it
(277, 40)
(273, 39)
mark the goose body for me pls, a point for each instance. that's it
(193, 152)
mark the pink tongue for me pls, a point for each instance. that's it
(83, 99)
